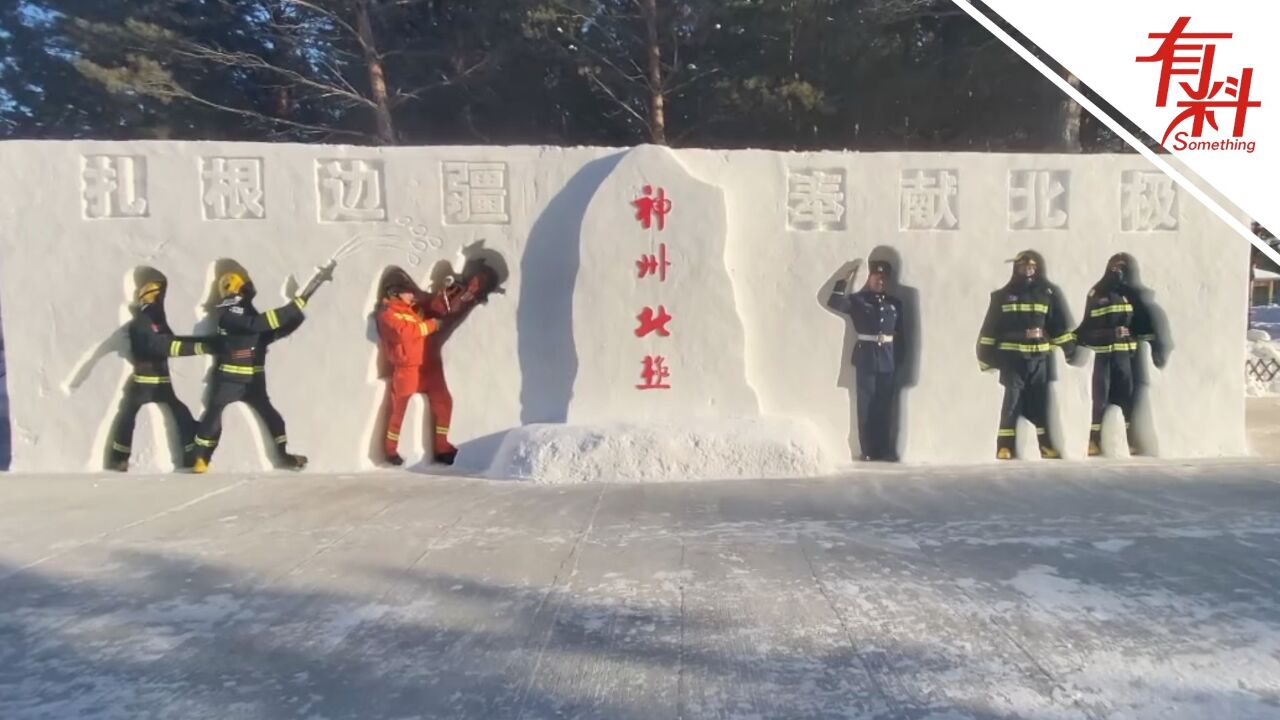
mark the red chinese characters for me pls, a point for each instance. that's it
(1183, 53)
(655, 372)
(651, 264)
(653, 322)
(651, 207)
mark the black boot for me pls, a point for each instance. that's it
(290, 461)
(394, 459)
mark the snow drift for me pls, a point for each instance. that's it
(635, 453)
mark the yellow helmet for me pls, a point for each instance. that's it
(229, 284)
(149, 290)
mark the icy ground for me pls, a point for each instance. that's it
(1034, 591)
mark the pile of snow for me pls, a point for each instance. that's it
(712, 449)
(1262, 349)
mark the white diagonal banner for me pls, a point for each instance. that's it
(1202, 76)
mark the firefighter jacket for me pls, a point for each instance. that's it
(1024, 319)
(1115, 320)
(152, 343)
(401, 332)
(878, 321)
(246, 333)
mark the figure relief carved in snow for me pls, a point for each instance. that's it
(1038, 199)
(927, 200)
(231, 188)
(1148, 201)
(114, 186)
(350, 190)
(475, 193)
(816, 200)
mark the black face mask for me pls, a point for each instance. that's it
(1116, 277)
(248, 292)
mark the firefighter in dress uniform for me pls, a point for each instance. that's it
(1025, 319)
(877, 356)
(240, 375)
(151, 344)
(402, 333)
(1116, 320)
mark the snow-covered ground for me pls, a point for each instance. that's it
(1038, 591)
(1265, 318)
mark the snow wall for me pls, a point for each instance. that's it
(744, 245)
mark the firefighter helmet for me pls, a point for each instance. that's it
(149, 291)
(230, 284)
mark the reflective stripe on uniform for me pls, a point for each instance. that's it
(442, 429)
(986, 341)
(205, 443)
(1148, 337)
(1065, 337)
(236, 369)
(1039, 431)
(300, 302)
(1025, 307)
(1006, 433)
(272, 320)
(119, 448)
(424, 329)
(151, 379)
(1114, 347)
(1108, 309)
(1024, 347)
(983, 366)
(199, 348)
(392, 435)
(1097, 426)
(175, 348)
(282, 439)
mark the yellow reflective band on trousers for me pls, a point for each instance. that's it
(175, 348)
(199, 348)
(1096, 427)
(1025, 347)
(1108, 309)
(151, 379)
(120, 448)
(236, 369)
(1025, 307)
(1065, 337)
(1006, 433)
(205, 443)
(442, 429)
(282, 439)
(1114, 347)
(393, 436)
(272, 320)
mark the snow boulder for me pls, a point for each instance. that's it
(1256, 335)
(768, 447)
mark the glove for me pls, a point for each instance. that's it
(1158, 355)
(1071, 354)
(324, 273)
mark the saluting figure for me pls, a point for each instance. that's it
(877, 356)
(1116, 319)
(1025, 319)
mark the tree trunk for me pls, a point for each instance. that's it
(282, 98)
(1069, 116)
(657, 98)
(377, 77)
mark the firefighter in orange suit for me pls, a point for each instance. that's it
(402, 333)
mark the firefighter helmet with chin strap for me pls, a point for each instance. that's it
(230, 284)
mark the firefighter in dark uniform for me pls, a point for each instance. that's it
(240, 375)
(877, 355)
(1116, 320)
(1025, 319)
(151, 344)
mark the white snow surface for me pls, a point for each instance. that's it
(553, 454)
(1263, 350)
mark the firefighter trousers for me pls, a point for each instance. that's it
(877, 395)
(404, 384)
(138, 393)
(1026, 394)
(1113, 384)
(253, 394)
